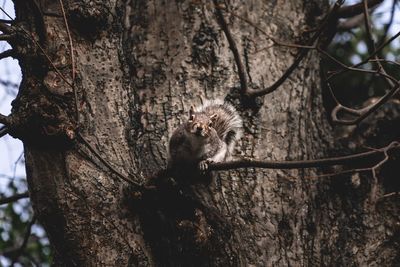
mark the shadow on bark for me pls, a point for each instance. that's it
(179, 228)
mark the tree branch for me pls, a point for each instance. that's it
(5, 28)
(14, 198)
(3, 131)
(9, 84)
(6, 37)
(28, 35)
(5, 119)
(106, 163)
(389, 24)
(351, 23)
(7, 53)
(379, 48)
(233, 47)
(361, 114)
(369, 156)
(356, 9)
(7, 21)
(302, 53)
(71, 48)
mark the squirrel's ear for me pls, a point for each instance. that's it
(191, 113)
(213, 117)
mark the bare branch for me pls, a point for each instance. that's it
(302, 54)
(14, 198)
(9, 84)
(356, 9)
(364, 157)
(7, 53)
(390, 22)
(371, 44)
(5, 119)
(6, 21)
(2, 9)
(351, 23)
(106, 163)
(41, 49)
(361, 114)
(6, 37)
(379, 48)
(233, 47)
(3, 131)
(274, 40)
(389, 195)
(5, 28)
(71, 48)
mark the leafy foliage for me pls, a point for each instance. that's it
(16, 218)
(354, 88)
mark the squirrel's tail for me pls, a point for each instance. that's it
(228, 124)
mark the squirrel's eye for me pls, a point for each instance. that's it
(191, 117)
(210, 123)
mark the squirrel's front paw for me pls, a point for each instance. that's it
(203, 165)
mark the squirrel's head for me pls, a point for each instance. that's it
(200, 124)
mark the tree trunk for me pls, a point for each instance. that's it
(139, 66)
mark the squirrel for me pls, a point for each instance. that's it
(209, 135)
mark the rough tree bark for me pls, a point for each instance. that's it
(139, 67)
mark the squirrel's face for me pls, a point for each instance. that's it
(200, 124)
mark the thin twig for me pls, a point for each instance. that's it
(386, 61)
(41, 49)
(389, 24)
(7, 21)
(379, 48)
(361, 114)
(301, 55)
(105, 162)
(351, 68)
(273, 39)
(364, 112)
(2, 9)
(5, 119)
(351, 23)
(233, 47)
(343, 172)
(7, 53)
(90, 147)
(9, 84)
(389, 195)
(350, 159)
(4, 27)
(371, 43)
(356, 9)
(13, 198)
(6, 37)
(71, 48)
(3, 131)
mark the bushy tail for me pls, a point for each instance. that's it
(228, 124)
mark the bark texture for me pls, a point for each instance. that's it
(139, 66)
